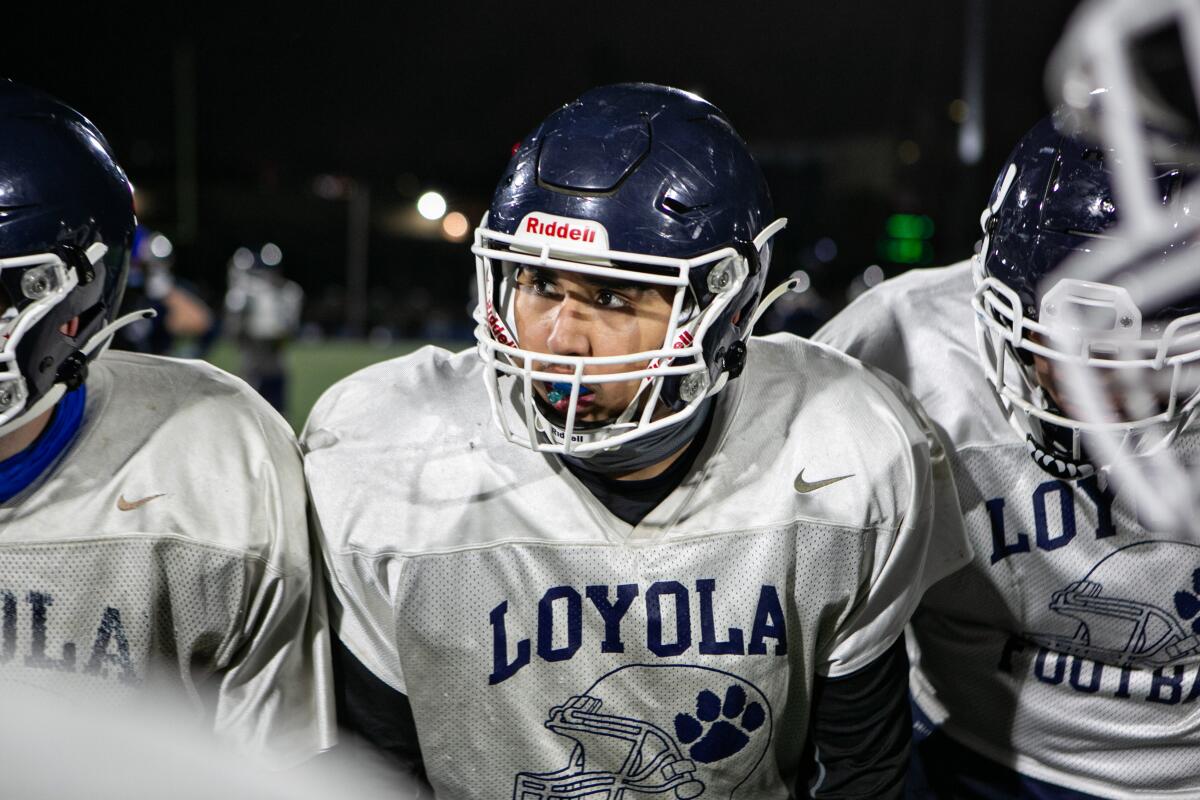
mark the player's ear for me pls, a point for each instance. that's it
(70, 328)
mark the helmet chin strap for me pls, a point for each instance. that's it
(647, 451)
(75, 368)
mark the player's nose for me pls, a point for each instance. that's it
(569, 328)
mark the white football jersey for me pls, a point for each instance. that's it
(546, 646)
(1069, 649)
(167, 549)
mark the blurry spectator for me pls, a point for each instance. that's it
(152, 284)
(262, 313)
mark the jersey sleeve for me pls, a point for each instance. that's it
(860, 731)
(927, 543)
(376, 713)
(361, 605)
(275, 696)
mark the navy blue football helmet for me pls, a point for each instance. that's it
(1054, 199)
(66, 221)
(633, 182)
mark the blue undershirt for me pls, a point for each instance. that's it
(20, 471)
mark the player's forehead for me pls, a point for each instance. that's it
(527, 272)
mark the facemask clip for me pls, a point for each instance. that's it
(12, 394)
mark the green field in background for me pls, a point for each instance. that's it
(315, 366)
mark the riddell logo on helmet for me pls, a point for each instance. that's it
(580, 233)
(564, 230)
(499, 330)
(684, 339)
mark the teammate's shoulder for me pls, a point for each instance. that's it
(880, 323)
(388, 387)
(786, 357)
(189, 431)
(428, 362)
(804, 404)
(918, 287)
(924, 279)
(183, 391)
(820, 380)
(168, 378)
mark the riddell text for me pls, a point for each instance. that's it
(560, 230)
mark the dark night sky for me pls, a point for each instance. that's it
(405, 97)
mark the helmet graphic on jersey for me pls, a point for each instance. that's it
(66, 221)
(1139, 606)
(657, 731)
(634, 184)
(1054, 199)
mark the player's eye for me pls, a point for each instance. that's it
(536, 281)
(607, 298)
(542, 285)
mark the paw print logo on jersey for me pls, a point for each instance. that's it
(626, 738)
(1187, 602)
(1139, 606)
(732, 723)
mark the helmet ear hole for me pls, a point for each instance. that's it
(70, 329)
(91, 320)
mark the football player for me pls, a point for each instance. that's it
(623, 549)
(1064, 661)
(152, 522)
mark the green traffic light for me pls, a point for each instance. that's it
(909, 226)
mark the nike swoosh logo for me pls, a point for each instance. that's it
(125, 505)
(804, 487)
